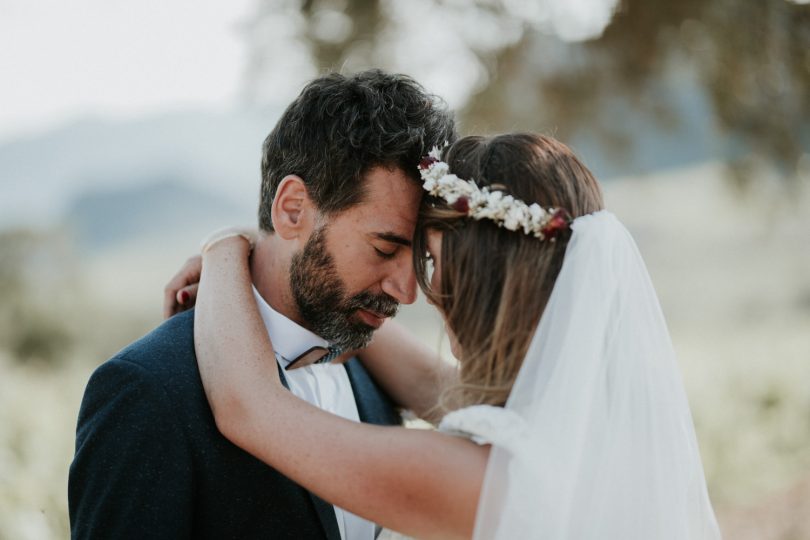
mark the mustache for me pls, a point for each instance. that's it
(381, 304)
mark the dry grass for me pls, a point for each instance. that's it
(734, 279)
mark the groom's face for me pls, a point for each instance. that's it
(356, 268)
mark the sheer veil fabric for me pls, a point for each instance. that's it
(601, 443)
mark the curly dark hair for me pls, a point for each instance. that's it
(341, 126)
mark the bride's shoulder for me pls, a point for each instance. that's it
(485, 424)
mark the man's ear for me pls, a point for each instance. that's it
(293, 212)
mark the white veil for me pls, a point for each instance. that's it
(607, 449)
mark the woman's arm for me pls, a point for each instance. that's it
(411, 373)
(419, 482)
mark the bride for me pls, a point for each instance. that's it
(565, 418)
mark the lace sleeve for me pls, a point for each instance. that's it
(485, 424)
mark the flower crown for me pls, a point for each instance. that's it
(482, 203)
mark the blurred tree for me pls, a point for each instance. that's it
(758, 76)
(338, 31)
(32, 266)
(751, 62)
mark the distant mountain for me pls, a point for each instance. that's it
(214, 152)
(161, 209)
(218, 153)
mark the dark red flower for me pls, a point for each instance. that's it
(560, 220)
(426, 162)
(462, 205)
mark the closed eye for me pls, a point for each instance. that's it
(384, 254)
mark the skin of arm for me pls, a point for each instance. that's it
(410, 372)
(419, 482)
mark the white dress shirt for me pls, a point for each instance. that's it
(326, 386)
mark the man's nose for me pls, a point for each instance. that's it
(400, 283)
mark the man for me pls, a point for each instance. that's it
(339, 201)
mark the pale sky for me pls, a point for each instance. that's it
(63, 60)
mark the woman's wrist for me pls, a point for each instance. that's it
(230, 236)
(231, 247)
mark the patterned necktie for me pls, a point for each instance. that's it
(314, 355)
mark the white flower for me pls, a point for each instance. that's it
(477, 199)
(514, 218)
(430, 186)
(537, 212)
(439, 169)
(503, 209)
(450, 182)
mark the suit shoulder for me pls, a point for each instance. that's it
(167, 349)
(165, 357)
(161, 364)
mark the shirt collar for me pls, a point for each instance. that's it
(289, 338)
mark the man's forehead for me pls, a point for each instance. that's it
(384, 181)
(388, 209)
(391, 204)
(388, 222)
(393, 237)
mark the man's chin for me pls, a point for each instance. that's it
(355, 335)
(363, 333)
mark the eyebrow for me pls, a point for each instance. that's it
(393, 238)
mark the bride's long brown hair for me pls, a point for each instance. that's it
(495, 282)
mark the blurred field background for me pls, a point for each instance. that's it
(129, 132)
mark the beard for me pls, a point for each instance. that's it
(321, 298)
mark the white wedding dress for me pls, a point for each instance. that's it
(482, 424)
(596, 441)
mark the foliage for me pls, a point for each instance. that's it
(750, 62)
(35, 282)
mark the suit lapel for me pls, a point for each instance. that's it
(325, 511)
(373, 406)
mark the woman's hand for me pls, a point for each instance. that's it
(180, 292)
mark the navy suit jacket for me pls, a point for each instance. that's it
(150, 462)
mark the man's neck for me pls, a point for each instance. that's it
(270, 272)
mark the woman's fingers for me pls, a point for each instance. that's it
(188, 275)
(187, 296)
(180, 293)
